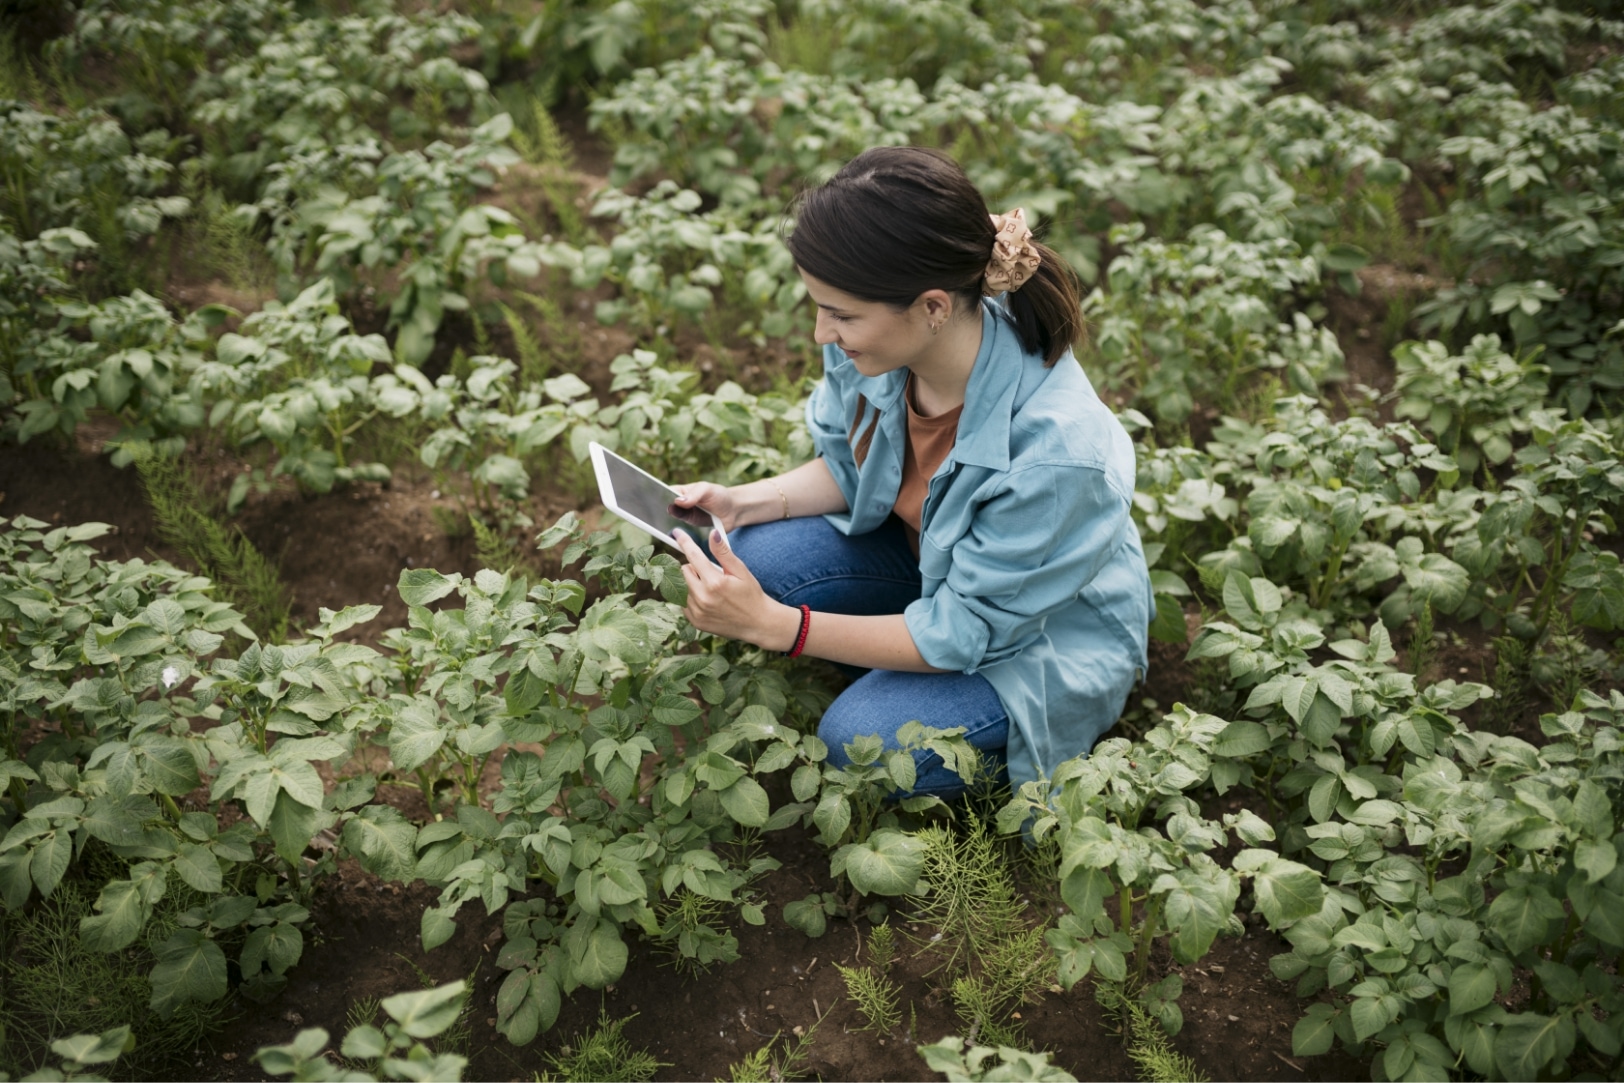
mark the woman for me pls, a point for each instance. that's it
(964, 534)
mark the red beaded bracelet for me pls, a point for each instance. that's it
(800, 640)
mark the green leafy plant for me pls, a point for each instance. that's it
(1127, 831)
(79, 1052)
(396, 1050)
(963, 1062)
(223, 554)
(604, 1053)
(773, 1063)
(1147, 1043)
(1474, 404)
(875, 995)
(57, 984)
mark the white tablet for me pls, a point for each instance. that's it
(647, 502)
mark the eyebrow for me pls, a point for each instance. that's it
(834, 308)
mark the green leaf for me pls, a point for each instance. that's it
(199, 868)
(415, 735)
(1598, 584)
(435, 928)
(293, 825)
(888, 863)
(746, 802)
(1524, 917)
(807, 915)
(1528, 1044)
(1438, 579)
(1315, 1032)
(15, 883)
(103, 1048)
(1471, 985)
(277, 946)
(420, 586)
(384, 841)
(1286, 891)
(348, 617)
(122, 911)
(1595, 859)
(610, 630)
(597, 954)
(365, 1042)
(49, 860)
(168, 765)
(1370, 1015)
(1344, 257)
(1197, 912)
(191, 969)
(1168, 625)
(1085, 889)
(1241, 739)
(527, 1003)
(427, 1012)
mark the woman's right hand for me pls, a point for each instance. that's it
(708, 496)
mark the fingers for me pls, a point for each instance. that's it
(726, 557)
(704, 567)
(693, 495)
(689, 548)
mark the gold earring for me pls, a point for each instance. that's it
(935, 327)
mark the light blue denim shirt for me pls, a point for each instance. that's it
(1033, 573)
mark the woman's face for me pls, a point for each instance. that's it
(874, 335)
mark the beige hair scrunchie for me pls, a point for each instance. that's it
(1014, 257)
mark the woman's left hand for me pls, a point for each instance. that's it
(724, 598)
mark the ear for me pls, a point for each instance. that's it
(936, 305)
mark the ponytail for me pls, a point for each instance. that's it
(1048, 308)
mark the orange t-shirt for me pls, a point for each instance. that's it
(929, 440)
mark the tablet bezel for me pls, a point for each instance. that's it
(606, 492)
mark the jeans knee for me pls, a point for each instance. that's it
(839, 726)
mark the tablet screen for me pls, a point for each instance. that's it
(651, 501)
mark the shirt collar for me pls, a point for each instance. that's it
(989, 398)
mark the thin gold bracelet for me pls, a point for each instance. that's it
(781, 496)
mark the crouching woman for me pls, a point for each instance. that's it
(964, 533)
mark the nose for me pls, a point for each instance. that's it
(823, 329)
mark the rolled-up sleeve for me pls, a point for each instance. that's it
(1030, 549)
(828, 416)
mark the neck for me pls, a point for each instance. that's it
(942, 372)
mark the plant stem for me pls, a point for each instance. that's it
(1333, 569)
(1147, 933)
(1567, 938)
(426, 785)
(1553, 579)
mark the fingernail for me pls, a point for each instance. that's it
(716, 536)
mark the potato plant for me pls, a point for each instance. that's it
(1229, 178)
(119, 659)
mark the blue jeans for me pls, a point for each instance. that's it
(808, 562)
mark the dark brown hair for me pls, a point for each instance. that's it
(897, 221)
